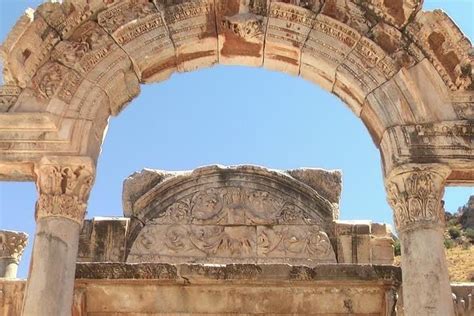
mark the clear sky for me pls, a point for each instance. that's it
(230, 115)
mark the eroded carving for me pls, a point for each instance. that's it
(12, 244)
(415, 196)
(63, 189)
(235, 206)
(8, 97)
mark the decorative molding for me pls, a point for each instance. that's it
(12, 244)
(415, 193)
(64, 186)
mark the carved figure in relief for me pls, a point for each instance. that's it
(295, 242)
(234, 205)
(48, 79)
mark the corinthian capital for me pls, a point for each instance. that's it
(64, 184)
(12, 244)
(415, 193)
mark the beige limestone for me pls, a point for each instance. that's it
(415, 196)
(12, 245)
(406, 72)
(393, 66)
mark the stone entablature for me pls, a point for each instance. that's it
(242, 214)
(240, 289)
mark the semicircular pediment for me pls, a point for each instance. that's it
(223, 214)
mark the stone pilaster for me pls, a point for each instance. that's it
(415, 193)
(12, 245)
(64, 184)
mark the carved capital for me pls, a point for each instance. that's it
(415, 193)
(64, 184)
(12, 244)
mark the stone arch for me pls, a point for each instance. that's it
(406, 73)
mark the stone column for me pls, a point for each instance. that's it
(12, 245)
(64, 184)
(415, 194)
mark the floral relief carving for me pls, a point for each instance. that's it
(415, 197)
(63, 191)
(294, 242)
(235, 206)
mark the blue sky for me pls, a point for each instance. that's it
(230, 115)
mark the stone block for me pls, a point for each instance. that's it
(382, 250)
(287, 31)
(328, 44)
(241, 33)
(140, 29)
(103, 239)
(192, 27)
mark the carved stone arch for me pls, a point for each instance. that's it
(405, 72)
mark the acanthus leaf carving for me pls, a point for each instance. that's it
(12, 244)
(64, 190)
(415, 196)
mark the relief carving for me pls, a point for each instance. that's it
(415, 196)
(64, 190)
(48, 79)
(8, 96)
(294, 242)
(156, 242)
(246, 26)
(445, 46)
(234, 206)
(85, 48)
(12, 244)
(219, 244)
(125, 12)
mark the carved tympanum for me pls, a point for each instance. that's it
(12, 244)
(64, 189)
(222, 215)
(415, 196)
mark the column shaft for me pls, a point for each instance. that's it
(64, 184)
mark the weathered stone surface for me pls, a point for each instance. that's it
(216, 214)
(192, 27)
(446, 47)
(325, 182)
(287, 30)
(241, 33)
(103, 239)
(8, 96)
(348, 47)
(140, 29)
(12, 245)
(396, 13)
(137, 184)
(328, 44)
